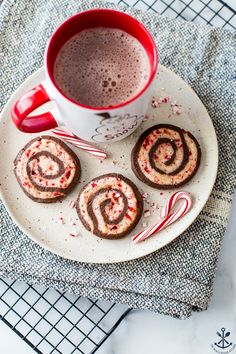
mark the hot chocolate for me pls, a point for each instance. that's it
(101, 67)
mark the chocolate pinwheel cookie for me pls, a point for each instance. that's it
(110, 206)
(46, 169)
(165, 156)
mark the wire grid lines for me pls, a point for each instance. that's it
(55, 323)
(212, 12)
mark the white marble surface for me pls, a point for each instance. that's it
(10, 343)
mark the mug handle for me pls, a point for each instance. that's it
(25, 105)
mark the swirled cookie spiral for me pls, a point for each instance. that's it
(110, 206)
(46, 169)
(165, 156)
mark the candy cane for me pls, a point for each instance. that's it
(84, 145)
(167, 217)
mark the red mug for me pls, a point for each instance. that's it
(93, 124)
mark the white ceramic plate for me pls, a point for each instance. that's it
(36, 220)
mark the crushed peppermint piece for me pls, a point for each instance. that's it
(155, 104)
(146, 213)
(164, 99)
(144, 224)
(145, 118)
(72, 204)
(117, 194)
(74, 234)
(154, 205)
(176, 108)
(61, 220)
(145, 195)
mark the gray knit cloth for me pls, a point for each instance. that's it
(177, 279)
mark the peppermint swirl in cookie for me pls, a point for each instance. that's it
(46, 169)
(165, 156)
(110, 206)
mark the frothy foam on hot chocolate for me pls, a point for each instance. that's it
(101, 67)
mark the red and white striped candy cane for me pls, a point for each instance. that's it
(84, 145)
(167, 217)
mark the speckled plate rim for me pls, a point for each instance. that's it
(168, 240)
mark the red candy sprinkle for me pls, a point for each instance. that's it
(38, 145)
(146, 169)
(131, 209)
(68, 174)
(147, 142)
(93, 185)
(28, 152)
(128, 216)
(114, 195)
(56, 194)
(27, 185)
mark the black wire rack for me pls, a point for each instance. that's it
(217, 13)
(61, 323)
(58, 323)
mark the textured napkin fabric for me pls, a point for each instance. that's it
(177, 279)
